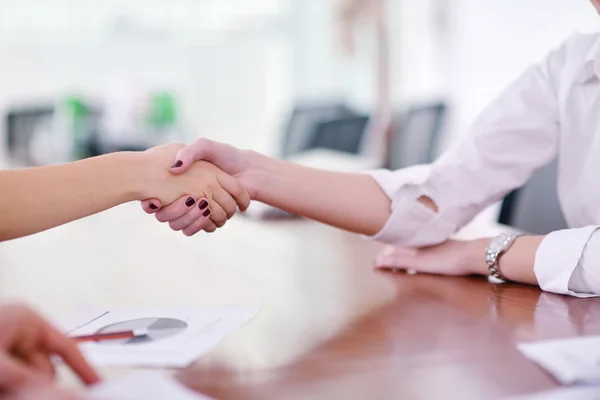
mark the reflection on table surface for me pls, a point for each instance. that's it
(330, 326)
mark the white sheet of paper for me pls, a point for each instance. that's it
(569, 393)
(146, 386)
(176, 336)
(569, 360)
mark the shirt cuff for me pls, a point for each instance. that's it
(412, 224)
(557, 258)
(391, 181)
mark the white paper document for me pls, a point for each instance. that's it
(574, 360)
(568, 393)
(174, 337)
(145, 386)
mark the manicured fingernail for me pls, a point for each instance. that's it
(153, 207)
(177, 164)
(190, 202)
(206, 213)
(203, 204)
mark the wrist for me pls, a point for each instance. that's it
(475, 257)
(258, 173)
(134, 171)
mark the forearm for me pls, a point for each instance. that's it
(36, 199)
(516, 264)
(353, 202)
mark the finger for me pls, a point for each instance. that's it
(13, 373)
(218, 216)
(235, 189)
(43, 391)
(391, 261)
(399, 250)
(151, 206)
(209, 226)
(41, 363)
(177, 209)
(225, 201)
(201, 223)
(190, 216)
(201, 149)
(68, 351)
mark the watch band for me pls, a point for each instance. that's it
(497, 246)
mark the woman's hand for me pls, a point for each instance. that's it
(228, 159)
(27, 344)
(207, 195)
(449, 258)
(42, 392)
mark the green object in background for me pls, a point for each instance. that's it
(162, 110)
(76, 107)
(77, 113)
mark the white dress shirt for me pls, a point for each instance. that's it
(552, 110)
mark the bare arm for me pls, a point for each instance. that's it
(353, 202)
(36, 199)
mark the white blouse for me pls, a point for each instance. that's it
(552, 109)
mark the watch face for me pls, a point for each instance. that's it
(499, 243)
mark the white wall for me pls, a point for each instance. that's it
(469, 50)
(494, 43)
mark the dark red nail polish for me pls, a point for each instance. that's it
(203, 204)
(206, 213)
(190, 202)
(177, 164)
(153, 207)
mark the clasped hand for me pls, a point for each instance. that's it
(202, 198)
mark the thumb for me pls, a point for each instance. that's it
(201, 149)
(150, 206)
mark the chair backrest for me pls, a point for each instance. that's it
(416, 138)
(297, 136)
(20, 125)
(535, 208)
(341, 134)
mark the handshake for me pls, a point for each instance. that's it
(196, 187)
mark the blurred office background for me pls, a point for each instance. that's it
(391, 82)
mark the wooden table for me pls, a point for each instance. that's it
(435, 338)
(330, 327)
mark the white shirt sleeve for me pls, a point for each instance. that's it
(515, 135)
(567, 262)
(563, 262)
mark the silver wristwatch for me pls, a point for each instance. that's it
(498, 245)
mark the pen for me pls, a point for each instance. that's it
(98, 337)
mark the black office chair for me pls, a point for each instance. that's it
(20, 125)
(298, 135)
(535, 208)
(341, 134)
(416, 139)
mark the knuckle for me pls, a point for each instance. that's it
(201, 141)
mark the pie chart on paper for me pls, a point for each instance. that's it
(157, 328)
